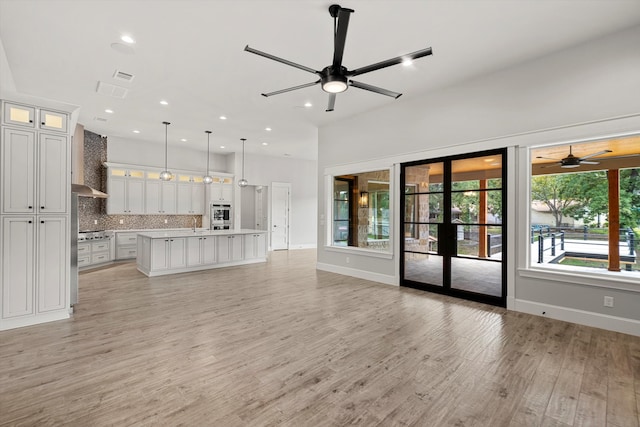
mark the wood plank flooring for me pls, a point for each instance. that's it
(281, 344)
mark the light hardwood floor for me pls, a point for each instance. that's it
(283, 344)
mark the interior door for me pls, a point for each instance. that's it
(454, 238)
(280, 202)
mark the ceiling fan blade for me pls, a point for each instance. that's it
(546, 158)
(332, 102)
(389, 62)
(375, 89)
(340, 36)
(588, 156)
(284, 61)
(588, 162)
(278, 92)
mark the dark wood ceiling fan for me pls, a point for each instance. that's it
(336, 78)
(572, 161)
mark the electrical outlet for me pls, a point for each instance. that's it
(95, 222)
(121, 221)
(608, 301)
(166, 221)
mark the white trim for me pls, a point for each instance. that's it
(304, 246)
(359, 251)
(596, 320)
(596, 279)
(360, 274)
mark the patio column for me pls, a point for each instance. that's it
(613, 176)
(482, 219)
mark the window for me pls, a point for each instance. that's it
(585, 206)
(361, 210)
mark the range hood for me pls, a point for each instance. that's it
(86, 191)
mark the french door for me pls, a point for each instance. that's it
(454, 239)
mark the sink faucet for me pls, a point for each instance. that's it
(195, 221)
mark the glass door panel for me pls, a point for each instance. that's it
(454, 226)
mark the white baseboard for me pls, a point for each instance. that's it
(360, 274)
(596, 320)
(304, 246)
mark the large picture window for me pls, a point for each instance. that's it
(361, 210)
(585, 206)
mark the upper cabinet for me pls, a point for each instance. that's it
(222, 189)
(34, 173)
(25, 116)
(190, 195)
(126, 191)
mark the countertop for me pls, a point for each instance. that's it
(163, 234)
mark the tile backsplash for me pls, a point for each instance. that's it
(92, 212)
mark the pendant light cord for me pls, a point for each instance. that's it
(243, 140)
(208, 134)
(166, 149)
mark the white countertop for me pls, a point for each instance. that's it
(163, 234)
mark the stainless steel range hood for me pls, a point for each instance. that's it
(86, 191)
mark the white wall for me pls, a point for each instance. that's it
(592, 82)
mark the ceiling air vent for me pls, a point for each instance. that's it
(111, 90)
(100, 119)
(122, 76)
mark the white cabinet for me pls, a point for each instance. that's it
(126, 245)
(52, 268)
(18, 260)
(34, 266)
(201, 250)
(126, 189)
(255, 246)
(34, 178)
(160, 196)
(35, 182)
(168, 253)
(221, 189)
(229, 248)
(20, 115)
(190, 197)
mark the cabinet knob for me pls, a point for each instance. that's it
(43, 123)
(30, 222)
(41, 222)
(30, 121)
(41, 207)
(30, 207)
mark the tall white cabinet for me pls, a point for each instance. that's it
(34, 215)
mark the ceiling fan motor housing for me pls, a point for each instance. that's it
(333, 81)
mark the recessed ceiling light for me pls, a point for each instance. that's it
(136, 131)
(267, 129)
(265, 143)
(127, 39)
(308, 104)
(222, 146)
(163, 102)
(407, 62)
(223, 117)
(183, 140)
(108, 111)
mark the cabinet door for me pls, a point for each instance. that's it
(53, 120)
(169, 194)
(52, 271)
(117, 190)
(17, 266)
(18, 171)
(159, 254)
(184, 198)
(227, 190)
(197, 198)
(177, 253)
(237, 253)
(249, 246)
(21, 115)
(193, 251)
(208, 250)
(261, 245)
(223, 246)
(153, 197)
(135, 196)
(52, 164)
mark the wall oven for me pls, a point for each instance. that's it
(221, 218)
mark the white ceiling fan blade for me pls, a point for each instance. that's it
(588, 156)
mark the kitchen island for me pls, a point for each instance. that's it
(180, 251)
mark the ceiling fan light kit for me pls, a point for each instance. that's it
(335, 78)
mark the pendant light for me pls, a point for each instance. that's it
(165, 175)
(243, 182)
(207, 179)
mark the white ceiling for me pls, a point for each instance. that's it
(190, 52)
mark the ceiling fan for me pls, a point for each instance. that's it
(336, 78)
(572, 161)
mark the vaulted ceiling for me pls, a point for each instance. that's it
(190, 53)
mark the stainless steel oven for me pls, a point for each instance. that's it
(221, 218)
